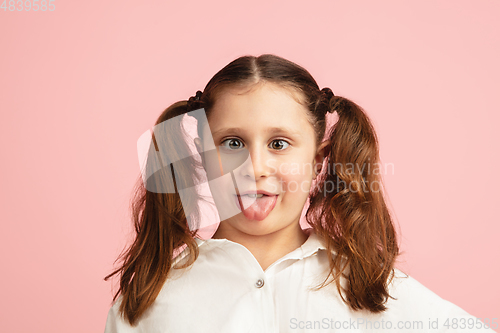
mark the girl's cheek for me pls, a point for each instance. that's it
(291, 183)
(296, 182)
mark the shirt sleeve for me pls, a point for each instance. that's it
(416, 302)
(115, 323)
(111, 322)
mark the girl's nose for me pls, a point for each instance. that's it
(257, 164)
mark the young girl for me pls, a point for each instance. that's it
(261, 124)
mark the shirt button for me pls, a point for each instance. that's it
(259, 283)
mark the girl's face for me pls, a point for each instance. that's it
(270, 127)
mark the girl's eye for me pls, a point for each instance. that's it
(274, 146)
(233, 144)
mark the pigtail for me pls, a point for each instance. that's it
(348, 211)
(161, 227)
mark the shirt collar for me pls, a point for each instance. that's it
(309, 248)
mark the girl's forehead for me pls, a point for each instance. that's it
(258, 102)
(261, 109)
(261, 88)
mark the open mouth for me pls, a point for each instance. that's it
(253, 195)
(256, 206)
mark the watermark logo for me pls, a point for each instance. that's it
(166, 154)
(382, 325)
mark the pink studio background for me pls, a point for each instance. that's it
(79, 85)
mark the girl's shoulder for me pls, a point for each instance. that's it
(183, 254)
(404, 287)
(414, 302)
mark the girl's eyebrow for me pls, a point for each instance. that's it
(274, 130)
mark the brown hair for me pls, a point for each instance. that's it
(352, 218)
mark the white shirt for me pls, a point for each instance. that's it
(226, 290)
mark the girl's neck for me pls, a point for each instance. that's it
(266, 248)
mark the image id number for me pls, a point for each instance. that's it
(27, 5)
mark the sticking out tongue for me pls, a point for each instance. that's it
(256, 208)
